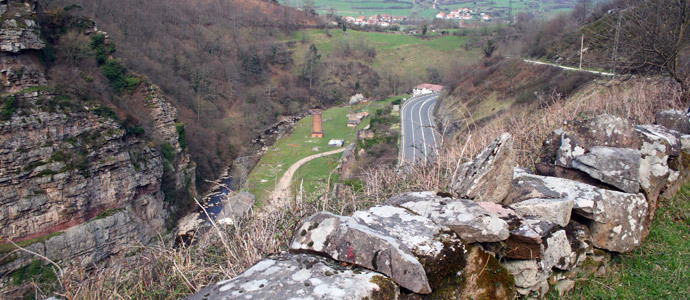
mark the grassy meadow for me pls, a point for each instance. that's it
(299, 144)
(424, 9)
(408, 52)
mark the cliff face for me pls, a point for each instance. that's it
(75, 184)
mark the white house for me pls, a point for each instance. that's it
(426, 88)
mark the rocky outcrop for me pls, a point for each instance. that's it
(75, 185)
(19, 30)
(62, 170)
(488, 177)
(166, 130)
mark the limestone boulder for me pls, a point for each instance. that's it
(348, 240)
(577, 137)
(488, 177)
(557, 252)
(654, 169)
(465, 217)
(618, 167)
(551, 210)
(436, 247)
(301, 276)
(529, 276)
(622, 227)
(617, 217)
(677, 120)
(524, 242)
(671, 137)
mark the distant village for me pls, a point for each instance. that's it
(463, 14)
(385, 20)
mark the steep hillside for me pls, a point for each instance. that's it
(79, 181)
(631, 37)
(529, 101)
(218, 62)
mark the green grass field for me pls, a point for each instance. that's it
(313, 176)
(409, 52)
(659, 269)
(316, 172)
(289, 149)
(424, 9)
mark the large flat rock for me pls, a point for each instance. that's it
(618, 167)
(556, 210)
(671, 137)
(585, 197)
(438, 249)
(465, 217)
(578, 137)
(488, 177)
(301, 276)
(623, 226)
(677, 120)
(348, 240)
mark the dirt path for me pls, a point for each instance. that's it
(281, 193)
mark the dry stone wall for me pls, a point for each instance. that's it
(543, 229)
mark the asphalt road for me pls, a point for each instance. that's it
(420, 138)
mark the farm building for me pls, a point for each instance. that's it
(426, 88)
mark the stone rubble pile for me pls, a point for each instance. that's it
(598, 183)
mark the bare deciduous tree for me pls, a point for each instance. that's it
(652, 35)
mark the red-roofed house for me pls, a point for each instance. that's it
(426, 88)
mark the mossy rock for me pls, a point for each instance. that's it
(482, 278)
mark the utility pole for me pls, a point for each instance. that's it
(582, 44)
(614, 56)
(510, 11)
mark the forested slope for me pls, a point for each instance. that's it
(219, 62)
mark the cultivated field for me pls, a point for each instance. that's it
(425, 9)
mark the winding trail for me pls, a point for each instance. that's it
(281, 193)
